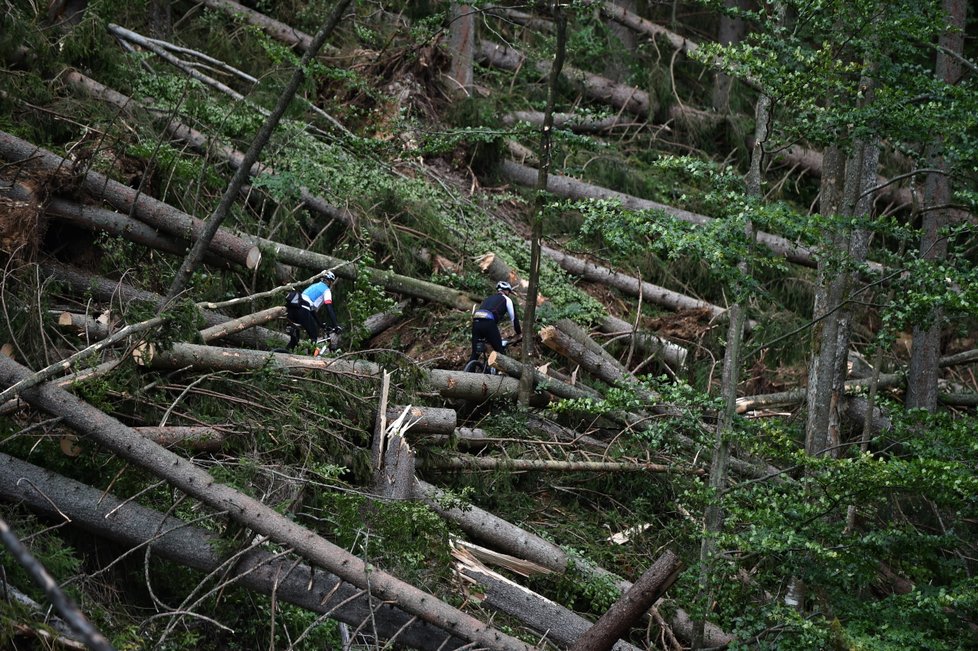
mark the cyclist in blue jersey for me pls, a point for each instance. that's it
(485, 320)
(304, 308)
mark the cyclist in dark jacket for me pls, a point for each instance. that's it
(303, 308)
(485, 320)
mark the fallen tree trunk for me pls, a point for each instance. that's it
(572, 121)
(650, 344)
(116, 293)
(544, 382)
(389, 280)
(623, 97)
(114, 223)
(251, 513)
(547, 617)
(604, 367)
(83, 324)
(377, 323)
(194, 437)
(130, 524)
(465, 462)
(629, 284)
(449, 384)
(506, 537)
(427, 420)
(131, 201)
(631, 606)
(573, 189)
(242, 323)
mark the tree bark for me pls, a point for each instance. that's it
(200, 438)
(448, 384)
(650, 344)
(544, 382)
(132, 525)
(197, 483)
(429, 420)
(926, 349)
(559, 624)
(631, 606)
(461, 45)
(241, 324)
(603, 367)
(62, 603)
(129, 200)
(464, 462)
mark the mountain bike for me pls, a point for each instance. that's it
(481, 363)
(328, 342)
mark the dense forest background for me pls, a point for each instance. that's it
(742, 237)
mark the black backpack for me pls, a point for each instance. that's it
(292, 297)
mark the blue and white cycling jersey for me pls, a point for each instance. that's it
(316, 295)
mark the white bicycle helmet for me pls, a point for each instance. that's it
(503, 286)
(329, 276)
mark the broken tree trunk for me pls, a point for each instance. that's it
(92, 329)
(393, 458)
(628, 610)
(427, 420)
(130, 200)
(649, 343)
(197, 483)
(559, 624)
(506, 537)
(130, 524)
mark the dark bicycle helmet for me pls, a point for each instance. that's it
(503, 286)
(329, 276)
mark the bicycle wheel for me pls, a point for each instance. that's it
(474, 366)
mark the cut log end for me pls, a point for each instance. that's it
(548, 333)
(64, 320)
(7, 350)
(143, 354)
(253, 258)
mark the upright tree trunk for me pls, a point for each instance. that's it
(546, 141)
(833, 313)
(730, 30)
(462, 45)
(713, 515)
(926, 351)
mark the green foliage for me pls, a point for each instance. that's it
(365, 299)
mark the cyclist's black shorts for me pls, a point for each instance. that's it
(485, 329)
